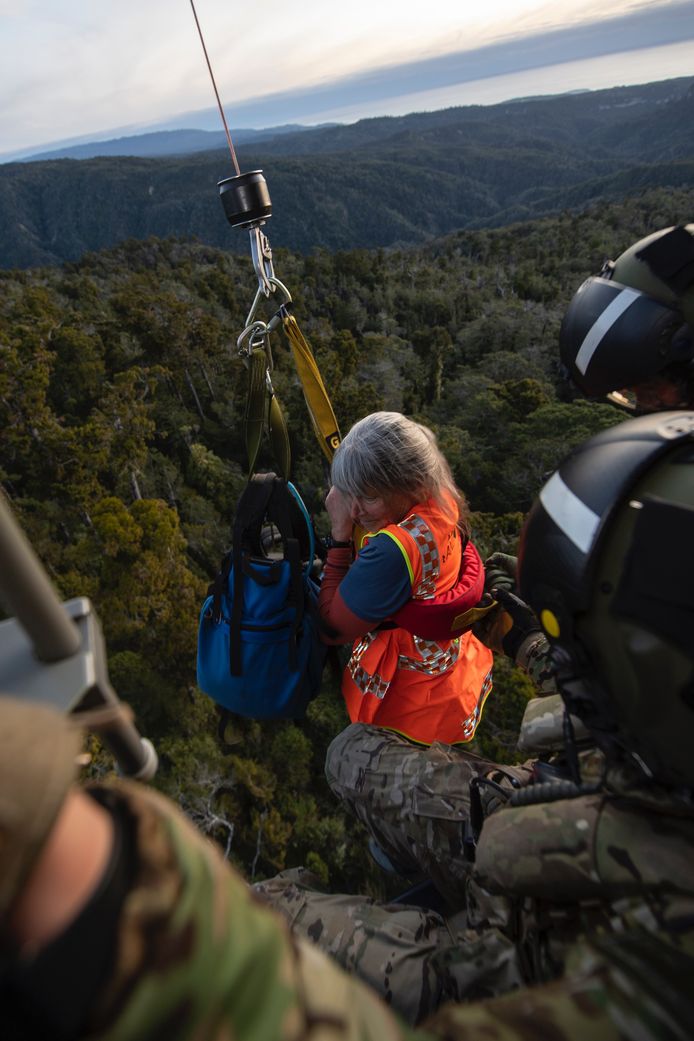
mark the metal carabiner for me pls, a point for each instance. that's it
(257, 334)
(281, 310)
(256, 330)
(275, 285)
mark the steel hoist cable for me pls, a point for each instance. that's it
(216, 92)
(247, 204)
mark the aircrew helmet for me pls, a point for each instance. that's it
(607, 562)
(633, 324)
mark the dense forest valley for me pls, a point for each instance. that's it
(121, 402)
(388, 181)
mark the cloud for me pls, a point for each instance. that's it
(79, 71)
(648, 26)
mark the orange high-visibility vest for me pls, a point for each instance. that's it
(426, 690)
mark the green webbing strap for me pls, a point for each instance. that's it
(279, 437)
(255, 405)
(262, 406)
(317, 401)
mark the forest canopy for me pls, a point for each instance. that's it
(121, 402)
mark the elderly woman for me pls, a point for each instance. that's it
(390, 479)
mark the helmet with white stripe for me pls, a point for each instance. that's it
(629, 331)
(607, 562)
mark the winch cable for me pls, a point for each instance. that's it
(232, 150)
(247, 204)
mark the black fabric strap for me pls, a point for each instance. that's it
(250, 512)
(279, 509)
(217, 588)
(296, 597)
(252, 507)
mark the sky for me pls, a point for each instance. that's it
(87, 69)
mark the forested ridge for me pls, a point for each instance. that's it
(379, 182)
(121, 402)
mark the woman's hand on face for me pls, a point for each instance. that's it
(340, 515)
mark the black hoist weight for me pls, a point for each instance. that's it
(246, 199)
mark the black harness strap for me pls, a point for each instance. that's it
(251, 510)
(280, 511)
(266, 497)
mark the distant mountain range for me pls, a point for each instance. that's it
(163, 142)
(378, 182)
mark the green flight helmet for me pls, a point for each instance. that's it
(629, 332)
(606, 561)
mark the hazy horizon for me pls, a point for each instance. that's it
(139, 79)
(648, 65)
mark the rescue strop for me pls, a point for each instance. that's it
(449, 614)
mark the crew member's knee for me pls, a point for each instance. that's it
(350, 755)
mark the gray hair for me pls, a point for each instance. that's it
(385, 453)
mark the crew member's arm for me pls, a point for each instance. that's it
(63, 877)
(525, 643)
(173, 946)
(71, 863)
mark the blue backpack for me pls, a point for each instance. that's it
(259, 651)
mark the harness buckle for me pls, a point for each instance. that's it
(275, 286)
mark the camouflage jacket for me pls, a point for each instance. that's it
(198, 956)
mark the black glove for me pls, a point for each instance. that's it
(523, 618)
(500, 572)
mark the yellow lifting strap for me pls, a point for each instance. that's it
(317, 401)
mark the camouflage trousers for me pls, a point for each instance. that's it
(415, 799)
(414, 958)
(415, 802)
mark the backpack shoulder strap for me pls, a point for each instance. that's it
(251, 509)
(252, 506)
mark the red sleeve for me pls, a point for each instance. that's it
(339, 620)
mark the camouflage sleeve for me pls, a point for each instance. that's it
(600, 997)
(533, 655)
(198, 957)
(542, 727)
(533, 658)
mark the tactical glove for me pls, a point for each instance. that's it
(492, 627)
(500, 572)
(523, 620)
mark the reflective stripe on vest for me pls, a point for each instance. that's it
(434, 661)
(366, 683)
(428, 551)
(470, 724)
